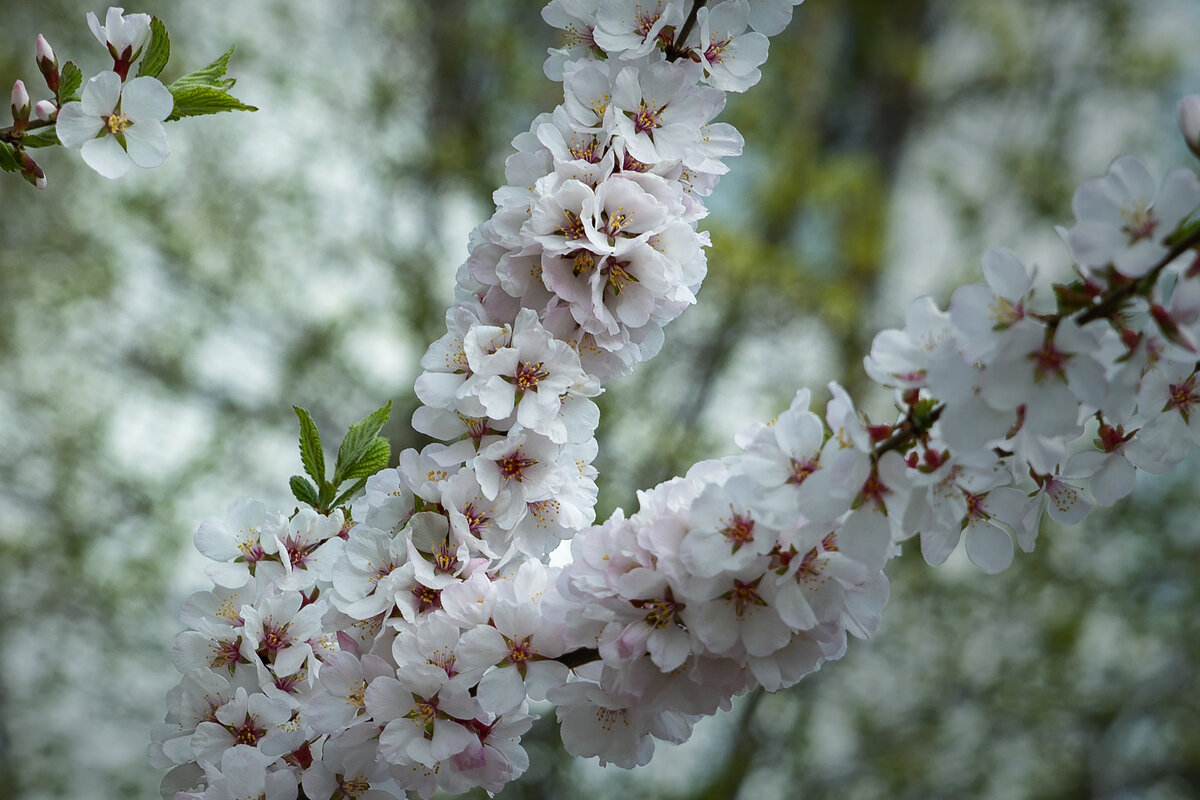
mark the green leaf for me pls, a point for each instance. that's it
(346, 495)
(359, 439)
(375, 459)
(157, 51)
(44, 137)
(303, 489)
(211, 76)
(69, 80)
(8, 158)
(192, 101)
(311, 454)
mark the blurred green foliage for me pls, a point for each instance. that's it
(154, 331)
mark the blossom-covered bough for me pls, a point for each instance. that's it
(389, 635)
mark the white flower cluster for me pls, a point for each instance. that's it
(397, 650)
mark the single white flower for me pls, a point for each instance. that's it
(116, 125)
(123, 34)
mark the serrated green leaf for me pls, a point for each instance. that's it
(303, 489)
(311, 454)
(70, 78)
(8, 158)
(211, 76)
(44, 137)
(375, 459)
(346, 495)
(359, 439)
(157, 52)
(193, 101)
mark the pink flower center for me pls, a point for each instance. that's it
(249, 732)
(588, 150)
(528, 375)
(1139, 222)
(716, 51)
(476, 519)
(224, 654)
(426, 599)
(745, 595)
(520, 651)
(661, 613)
(1182, 397)
(802, 469)
(618, 276)
(738, 531)
(275, 636)
(445, 558)
(647, 118)
(513, 466)
(1049, 360)
(571, 226)
(645, 23)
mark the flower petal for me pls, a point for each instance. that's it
(147, 143)
(75, 128)
(106, 156)
(101, 94)
(146, 99)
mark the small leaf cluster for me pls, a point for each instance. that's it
(363, 452)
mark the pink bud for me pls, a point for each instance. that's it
(47, 64)
(44, 51)
(20, 97)
(1189, 121)
(45, 110)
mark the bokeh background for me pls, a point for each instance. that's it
(155, 330)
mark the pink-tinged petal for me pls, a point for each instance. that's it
(101, 94)
(937, 544)
(147, 144)
(669, 649)
(106, 156)
(1113, 481)
(1135, 177)
(146, 99)
(76, 128)
(1179, 197)
(1006, 274)
(770, 19)
(865, 537)
(501, 690)
(792, 605)
(1067, 503)
(449, 738)
(988, 547)
(387, 699)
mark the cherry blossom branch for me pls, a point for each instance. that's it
(677, 48)
(1112, 303)
(14, 134)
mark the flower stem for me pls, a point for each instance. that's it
(676, 48)
(1112, 303)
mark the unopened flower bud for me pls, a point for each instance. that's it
(30, 170)
(48, 63)
(20, 104)
(45, 110)
(1189, 121)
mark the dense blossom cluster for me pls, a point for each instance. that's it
(397, 647)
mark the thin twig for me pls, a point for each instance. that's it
(676, 48)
